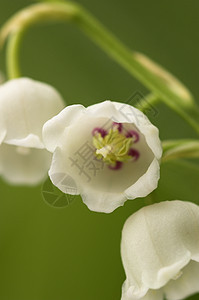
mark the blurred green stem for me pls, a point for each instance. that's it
(67, 11)
(175, 149)
(147, 102)
(12, 60)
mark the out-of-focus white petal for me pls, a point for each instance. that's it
(186, 285)
(25, 105)
(54, 128)
(32, 140)
(157, 243)
(21, 165)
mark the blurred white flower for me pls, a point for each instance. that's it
(25, 105)
(160, 252)
(108, 153)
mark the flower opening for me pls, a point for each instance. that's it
(115, 157)
(115, 146)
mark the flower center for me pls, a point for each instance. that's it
(115, 146)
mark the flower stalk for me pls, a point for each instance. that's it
(175, 149)
(13, 48)
(67, 11)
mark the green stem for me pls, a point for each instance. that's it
(38, 13)
(13, 48)
(175, 149)
(148, 102)
(124, 56)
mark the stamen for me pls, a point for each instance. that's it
(118, 165)
(102, 131)
(134, 153)
(134, 135)
(118, 126)
(114, 147)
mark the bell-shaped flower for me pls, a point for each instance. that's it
(108, 153)
(25, 105)
(160, 252)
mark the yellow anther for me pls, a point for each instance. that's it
(113, 147)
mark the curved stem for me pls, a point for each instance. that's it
(38, 13)
(124, 56)
(13, 48)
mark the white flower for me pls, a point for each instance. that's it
(160, 252)
(108, 152)
(25, 105)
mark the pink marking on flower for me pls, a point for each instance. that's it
(102, 131)
(118, 165)
(134, 135)
(119, 126)
(134, 153)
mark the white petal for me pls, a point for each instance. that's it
(25, 105)
(95, 200)
(153, 295)
(77, 141)
(186, 285)
(157, 242)
(31, 140)
(105, 109)
(134, 293)
(21, 165)
(54, 128)
(102, 201)
(59, 176)
(135, 116)
(150, 295)
(146, 183)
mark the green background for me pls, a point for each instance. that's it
(73, 253)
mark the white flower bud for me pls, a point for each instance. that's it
(160, 252)
(25, 105)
